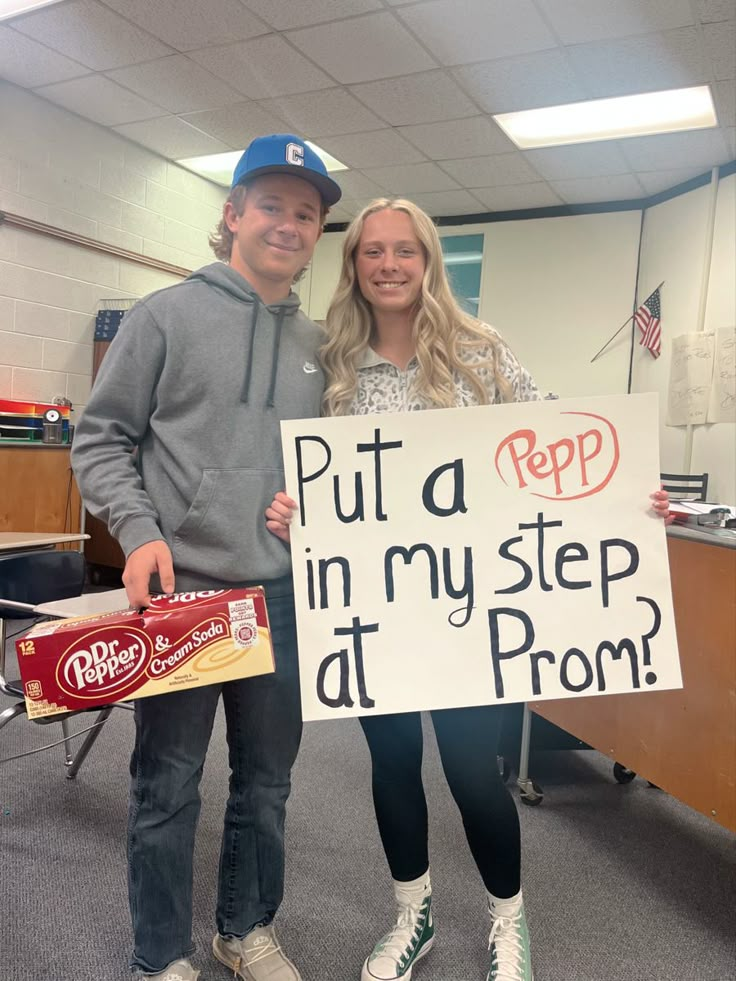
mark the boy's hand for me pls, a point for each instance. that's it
(279, 515)
(661, 505)
(141, 565)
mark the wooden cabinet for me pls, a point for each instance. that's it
(39, 492)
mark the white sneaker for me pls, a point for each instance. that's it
(395, 954)
(257, 957)
(177, 971)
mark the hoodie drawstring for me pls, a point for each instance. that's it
(275, 357)
(245, 394)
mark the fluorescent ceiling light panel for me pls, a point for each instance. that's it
(611, 119)
(331, 163)
(219, 167)
(11, 8)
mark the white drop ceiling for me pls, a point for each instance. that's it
(401, 91)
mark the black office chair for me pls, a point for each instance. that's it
(28, 579)
(691, 485)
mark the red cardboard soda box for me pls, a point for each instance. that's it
(180, 641)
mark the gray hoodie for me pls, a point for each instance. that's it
(198, 379)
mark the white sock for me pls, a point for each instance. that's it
(505, 907)
(413, 892)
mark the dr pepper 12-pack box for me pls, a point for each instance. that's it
(180, 641)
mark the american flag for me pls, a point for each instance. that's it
(648, 318)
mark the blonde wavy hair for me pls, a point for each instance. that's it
(441, 330)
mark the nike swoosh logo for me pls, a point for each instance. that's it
(309, 368)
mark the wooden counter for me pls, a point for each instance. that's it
(39, 492)
(682, 741)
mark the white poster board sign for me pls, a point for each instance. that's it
(476, 556)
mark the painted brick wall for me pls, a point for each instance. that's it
(58, 168)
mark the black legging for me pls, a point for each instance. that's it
(468, 743)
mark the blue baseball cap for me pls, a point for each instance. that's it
(283, 153)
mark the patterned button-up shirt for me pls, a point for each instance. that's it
(383, 387)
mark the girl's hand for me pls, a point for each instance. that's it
(661, 506)
(279, 515)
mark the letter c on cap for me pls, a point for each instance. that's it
(295, 154)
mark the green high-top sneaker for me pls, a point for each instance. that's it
(395, 954)
(509, 945)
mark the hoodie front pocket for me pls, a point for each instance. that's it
(224, 533)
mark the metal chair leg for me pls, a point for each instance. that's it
(68, 758)
(11, 713)
(88, 742)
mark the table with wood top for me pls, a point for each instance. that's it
(683, 741)
(17, 541)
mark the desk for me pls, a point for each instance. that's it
(86, 605)
(682, 741)
(17, 541)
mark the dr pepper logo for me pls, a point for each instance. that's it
(185, 601)
(578, 462)
(110, 661)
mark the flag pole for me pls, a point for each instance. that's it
(612, 338)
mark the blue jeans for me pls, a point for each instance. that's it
(263, 716)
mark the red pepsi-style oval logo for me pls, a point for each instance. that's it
(578, 463)
(106, 663)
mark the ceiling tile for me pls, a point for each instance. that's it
(100, 100)
(28, 63)
(720, 46)
(581, 160)
(408, 180)
(656, 181)
(171, 137)
(458, 138)
(461, 31)
(702, 149)
(283, 14)
(711, 11)
(586, 190)
(355, 184)
(439, 203)
(423, 98)
(361, 150)
(526, 82)
(363, 49)
(236, 125)
(262, 68)
(188, 24)
(575, 22)
(642, 64)
(518, 198)
(724, 96)
(179, 84)
(331, 113)
(729, 135)
(492, 171)
(91, 34)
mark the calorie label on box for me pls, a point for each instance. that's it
(185, 640)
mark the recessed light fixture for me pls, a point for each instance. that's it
(12, 8)
(219, 167)
(611, 119)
